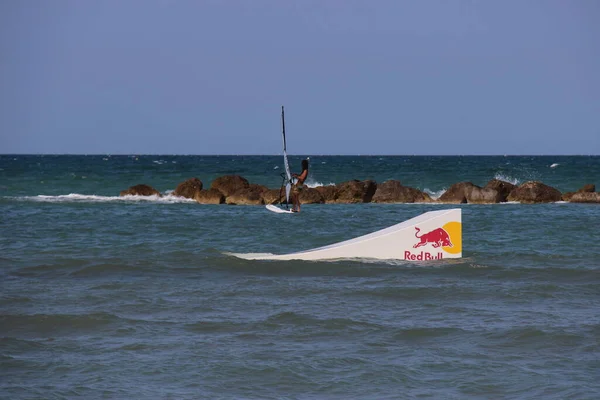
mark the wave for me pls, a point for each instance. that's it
(313, 184)
(91, 198)
(506, 178)
(56, 323)
(435, 194)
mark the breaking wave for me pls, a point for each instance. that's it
(313, 184)
(509, 179)
(435, 194)
(85, 198)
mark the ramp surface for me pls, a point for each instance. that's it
(433, 235)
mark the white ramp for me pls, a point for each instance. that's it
(434, 235)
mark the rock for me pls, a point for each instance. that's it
(457, 193)
(210, 196)
(356, 191)
(274, 196)
(479, 195)
(586, 197)
(503, 188)
(140, 190)
(189, 188)
(567, 196)
(589, 188)
(467, 192)
(230, 184)
(252, 195)
(311, 196)
(329, 193)
(534, 192)
(392, 191)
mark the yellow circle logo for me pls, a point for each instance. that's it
(454, 230)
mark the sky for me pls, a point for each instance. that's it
(379, 77)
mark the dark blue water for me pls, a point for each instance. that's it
(105, 297)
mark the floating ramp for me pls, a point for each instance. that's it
(434, 235)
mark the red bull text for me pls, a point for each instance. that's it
(423, 256)
(437, 238)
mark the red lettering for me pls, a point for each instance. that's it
(427, 256)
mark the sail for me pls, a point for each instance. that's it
(288, 184)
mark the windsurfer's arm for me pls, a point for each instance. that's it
(302, 176)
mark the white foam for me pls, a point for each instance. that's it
(313, 184)
(508, 179)
(554, 165)
(435, 195)
(85, 198)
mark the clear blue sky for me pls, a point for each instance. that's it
(356, 77)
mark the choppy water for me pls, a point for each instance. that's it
(103, 297)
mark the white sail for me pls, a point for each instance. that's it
(288, 184)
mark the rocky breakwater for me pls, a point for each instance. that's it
(234, 189)
(586, 194)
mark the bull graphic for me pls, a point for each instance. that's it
(437, 237)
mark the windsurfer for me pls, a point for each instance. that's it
(299, 185)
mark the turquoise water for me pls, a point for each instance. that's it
(104, 297)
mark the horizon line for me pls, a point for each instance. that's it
(301, 155)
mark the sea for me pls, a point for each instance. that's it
(108, 297)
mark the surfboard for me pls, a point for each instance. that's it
(278, 210)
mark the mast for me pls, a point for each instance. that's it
(288, 175)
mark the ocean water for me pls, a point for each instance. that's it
(108, 297)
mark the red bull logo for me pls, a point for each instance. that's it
(447, 239)
(437, 237)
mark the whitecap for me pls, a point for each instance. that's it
(554, 165)
(506, 178)
(435, 194)
(86, 198)
(313, 184)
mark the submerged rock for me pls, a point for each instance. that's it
(586, 197)
(589, 188)
(140, 190)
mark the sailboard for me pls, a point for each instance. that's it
(286, 176)
(278, 210)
